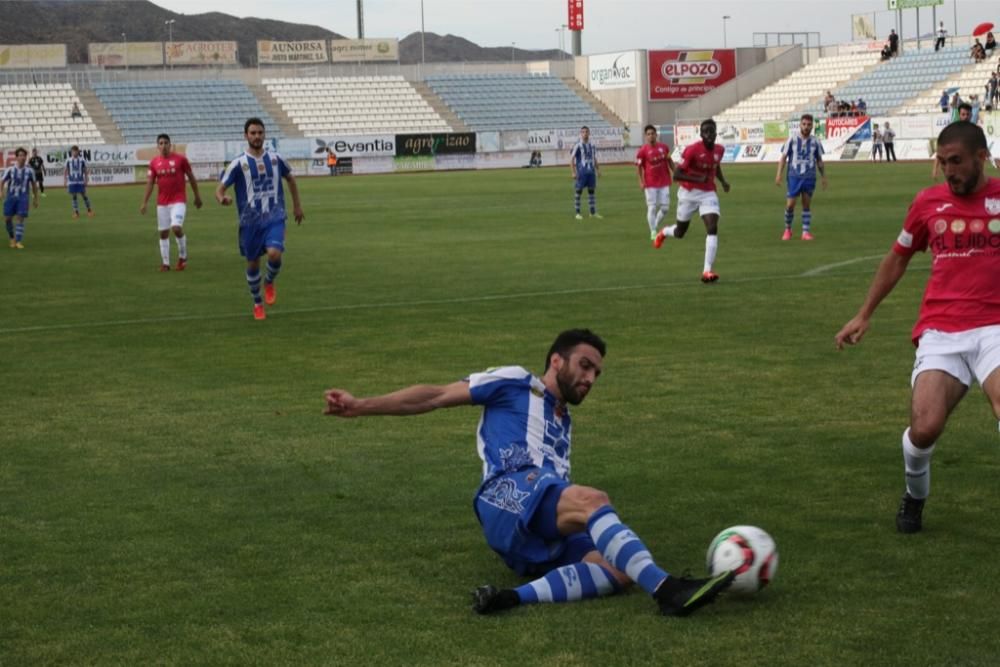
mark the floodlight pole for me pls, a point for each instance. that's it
(724, 19)
(361, 19)
(423, 53)
(125, 46)
(170, 40)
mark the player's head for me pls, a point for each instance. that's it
(74, 150)
(20, 154)
(163, 144)
(650, 134)
(965, 111)
(253, 130)
(806, 124)
(708, 132)
(585, 133)
(961, 153)
(574, 362)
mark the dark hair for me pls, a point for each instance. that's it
(252, 121)
(807, 116)
(163, 136)
(20, 149)
(707, 121)
(648, 128)
(585, 128)
(74, 148)
(970, 135)
(966, 106)
(569, 339)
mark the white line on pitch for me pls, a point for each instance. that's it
(826, 267)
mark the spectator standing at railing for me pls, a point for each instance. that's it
(993, 90)
(893, 43)
(942, 33)
(944, 101)
(862, 107)
(956, 105)
(75, 111)
(889, 139)
(876, 143)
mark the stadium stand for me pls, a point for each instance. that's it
(39, 114)
(514, 101)
(781, 99)
(205, 110)
(355, 105)
(897, 80)
(969, 81)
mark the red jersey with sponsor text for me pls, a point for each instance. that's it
(963, 234)
(698, 159)
(655, 168)
(168, 174)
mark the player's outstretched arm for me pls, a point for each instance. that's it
(889, 272)
(413, 400)
(293, 189)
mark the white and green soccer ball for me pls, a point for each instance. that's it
(749, 552)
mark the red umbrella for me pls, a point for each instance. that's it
(982, 29)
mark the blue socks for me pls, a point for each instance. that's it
(253, 282)
(273, 269)
(569, 583)
(624, 550)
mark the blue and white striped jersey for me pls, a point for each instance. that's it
(522, 425)
(803, 154)
(584, 155)
(256, 182)
(18, 181)
(76, 170)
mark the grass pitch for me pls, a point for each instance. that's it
(170, 492)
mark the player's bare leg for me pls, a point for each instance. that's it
(676, 230)
(935, 395)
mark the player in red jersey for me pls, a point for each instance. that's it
(655, 165)
(168, 170)
(701, 164)
(957, 333)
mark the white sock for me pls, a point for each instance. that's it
(659, 216)
(651, 217)
(182, 246)
(165, 250)
(669, 231)
(711, 248)
(918, 467)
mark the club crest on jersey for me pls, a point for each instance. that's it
(992, 206)
(537, 392)
(940, 227)
(260, 168)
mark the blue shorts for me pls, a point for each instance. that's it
(586, 180)
(77, 188)
(17, 206)
(517, 513)
(256, 239)
(800, 186)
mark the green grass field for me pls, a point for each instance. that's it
(171, 493)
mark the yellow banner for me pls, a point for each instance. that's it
(28, 56)
(121, 54)
(201, 53)
(355, 50)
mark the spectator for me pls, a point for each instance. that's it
(941, 34)
(991, 43)
(893, 43)
(977, 52)
(889, 139)
(536, 159)
(75, 112)
(854, 108)
(331, 161)
(886, 52)
(944, 102)
(862, 107)
(956, 104)
(828, 99)
(993, 91)
(974, 103)
(876, 144)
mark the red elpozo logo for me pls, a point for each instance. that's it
(691, 67)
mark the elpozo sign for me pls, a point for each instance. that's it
(612, 70)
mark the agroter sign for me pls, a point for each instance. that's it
(675, 75)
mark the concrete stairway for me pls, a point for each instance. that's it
(271, 106)
(440, 108)
(588, 97)
(102, 119)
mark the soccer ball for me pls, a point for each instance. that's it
(749, 552)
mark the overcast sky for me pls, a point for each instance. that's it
(609, 25)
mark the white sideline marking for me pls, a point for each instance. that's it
(426, 302)
(826, 267)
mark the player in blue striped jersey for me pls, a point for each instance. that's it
(256, 178)
(565, 535)
(18, 185)
(583, 163)
(804, 155)
(77, 178)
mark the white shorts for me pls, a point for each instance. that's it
(689, 201)
(965, 355)
(658, 197)
(171, 215)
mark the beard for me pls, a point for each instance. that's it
(966, 186)
(571, 393)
